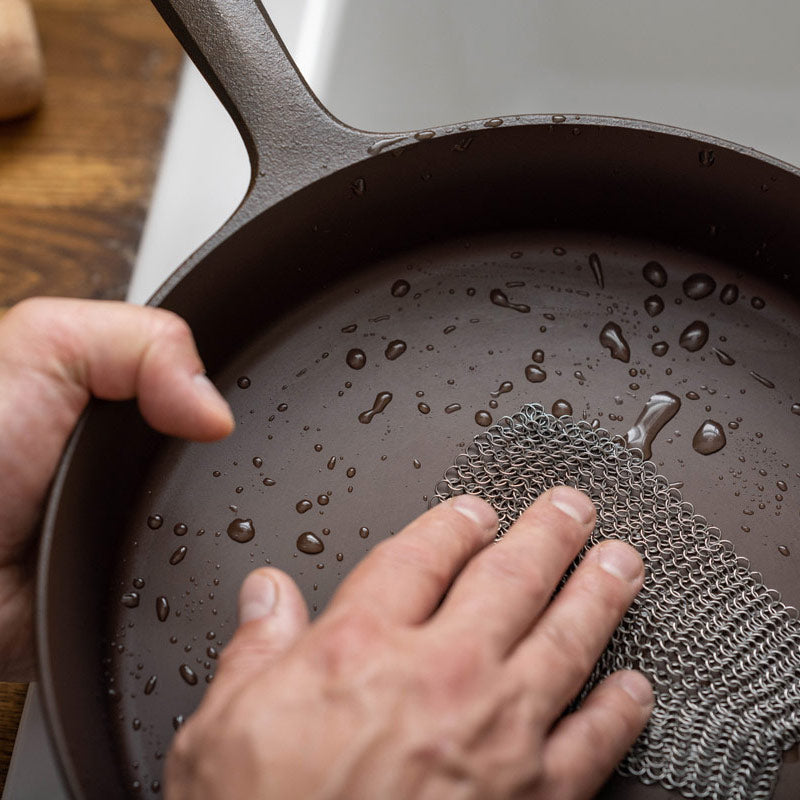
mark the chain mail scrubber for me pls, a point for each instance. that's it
(722, 651)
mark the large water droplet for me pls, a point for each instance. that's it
(729, 294)
(657, 412)
(499, 298)
(535, 374)
(655, 274)
(699, 285)
(241, 530)
(309, 543)
(395, 349)
(155, 521)
(382, 399)
(561, 408)
(400, 288)
(130, 599)
(611, 337)
(709, 438)
(694, 336)
(660, 349)
(483, 418)
(653, 305)
(356, 358)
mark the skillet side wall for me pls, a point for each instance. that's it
(609, 179)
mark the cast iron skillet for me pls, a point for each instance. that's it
(349, 241)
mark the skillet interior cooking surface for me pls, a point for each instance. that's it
(305, 462)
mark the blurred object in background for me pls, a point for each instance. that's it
(21, 64)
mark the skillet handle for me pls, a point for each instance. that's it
(290, 138)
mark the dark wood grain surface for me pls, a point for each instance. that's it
(76, 177)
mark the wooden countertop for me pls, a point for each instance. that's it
(76, 176)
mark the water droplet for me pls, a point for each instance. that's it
(317, 448)
(709, 438)
(653, 305)
(130, 599)
(694, 336)
(138, 583)
(660, 349)
(795, 409)
(499, 298)
(151, 684)
(503, 388)
(340, 556)
(692, 395)
(177, 556)
(162, 608)
(395, 349)
(558, 119)
(657, 412)
(423, 136)
(611, 337)
(782, 486)
(188, 674)
(561, 408)
(282, 406)
(757, 302)
(309, 543)
(762, 380)
(400, 288)
(449, 329)
(358, 187)
(654, 274)
(706, 158)
(578, 375)
(323, 500)
(242, 530)
(723, 357)
(243, 382)
(155, 521)
(349, 328)
(356, 358)
(783, 550)
(136, 724)
(559, 251)
(416, 463)
(268, 482)
(597, 269)
(496, 122)
(351, 472)
(303, 505)
(729, 294)
(535, 374)
(483, 418)
(698, 286)
(382, 399)
(381, 144)
(363, 532)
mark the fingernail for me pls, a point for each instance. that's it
(573, 502)
(211, 395)
(257, 597)
(479, 511)
(620, 560)
(636, 685)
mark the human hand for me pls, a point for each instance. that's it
(438, 670)
(54, 354)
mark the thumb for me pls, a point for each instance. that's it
(272, 617)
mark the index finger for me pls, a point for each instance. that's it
(405, 577)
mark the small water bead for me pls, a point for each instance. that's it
(783, 550)
(395, 349)
(452, 408)
(659, 349)
(655, 274)
(340, 556)
(470, 292)
(303, 505)
(241, 530)
(723, 357)
(495, 122)
(136, 724)
(706, 158)
(309, 543)
(243, 382)
(449, 329)
(612, 338)
(138, 583)
(634, 387)
(268, 482)
(162, 608)
(762, 380)
(559, 251)
(400, 288)
(216, 473)
(483, 418)
(351, 472)
(537, 356)
(188, 674)
(535, 374)
(561, 408)
(795, 409)
(757, 302)
(177, 556)
(709, 438)
(151, 684)
(733, 425)
(382, 399)
(653, 305)
(356, 358)
(493, 403)
(699, 285)
(130, 599)
(782, 486)
(578, 375)
(694, 336)
(504, 387)
(416, 463)
(326, 531)
(155, 521)
(282, 406)
(363, 532)
(499, 298)
(323, 500)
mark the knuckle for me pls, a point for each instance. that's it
(343, 639)
(168, 325)
(420, 554)
(567, 645)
